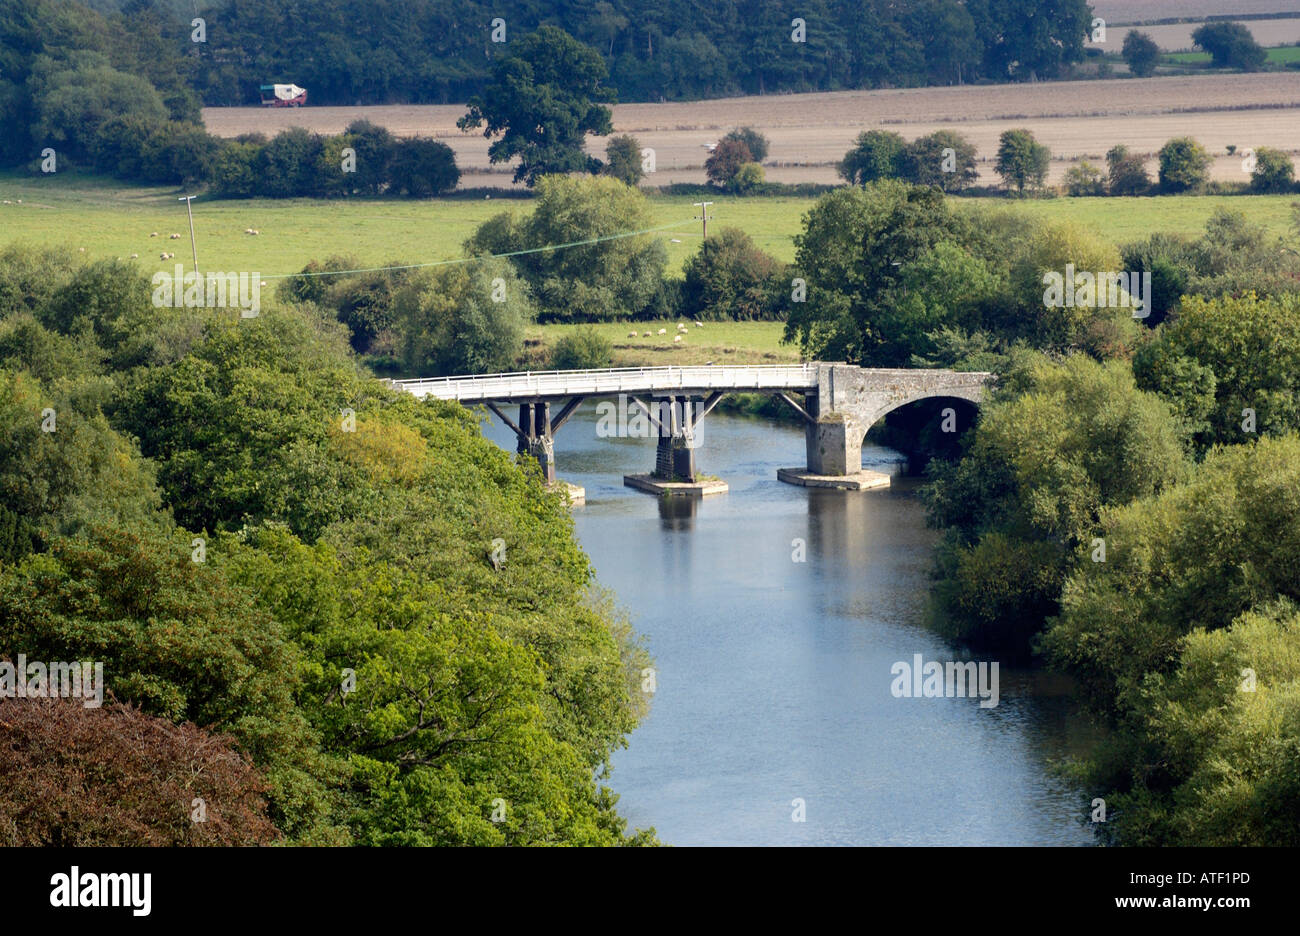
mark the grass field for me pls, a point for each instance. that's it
(111, 220)
(1281, 55)
(715, 342)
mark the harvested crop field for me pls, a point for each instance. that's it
(810, 132)
(1145, 11)
(1177, 37)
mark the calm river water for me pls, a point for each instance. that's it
(774, 675)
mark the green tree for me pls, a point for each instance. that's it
(463, 319)
(181, 644)
(876, 154)
(754, 141)
(1273, 173)
(1141, 53)
(607, 275)
(623, 159)
(1022, 161)
(855, 253)
(543, 101)
(422, 168)
(1126, 172)
(951, 47)
(241, 424)
(728, 278)
(1057, 444)
(1196, 556)
(1184, 165)
(1084, 180)
(287, 166)
(1230, 45)
(747, 179)
(726, 161)
(374, 148)
(71, 105)
(942, 158)
(234, 170)
(1250, 347)
(1026, 40)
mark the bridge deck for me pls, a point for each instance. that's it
(499, 388)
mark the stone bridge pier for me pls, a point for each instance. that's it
(848, 400)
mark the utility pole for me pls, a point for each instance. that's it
(704, 215)
(193, 249)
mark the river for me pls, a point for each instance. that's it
(773, 674)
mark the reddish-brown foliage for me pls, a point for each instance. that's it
(725, 161)
(77, 776)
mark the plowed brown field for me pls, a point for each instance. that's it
(810, 132)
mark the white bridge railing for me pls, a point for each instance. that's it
(524, 386)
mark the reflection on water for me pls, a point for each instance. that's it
(775, 613)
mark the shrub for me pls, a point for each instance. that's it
(747, 179)
(286, 166)
(1084, 179)
(1127, 173)
(584, 348)
(234, 170)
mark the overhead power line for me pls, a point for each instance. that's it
(512, 253)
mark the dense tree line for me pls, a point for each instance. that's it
(381, 51)
(109, 94)
(254, 537)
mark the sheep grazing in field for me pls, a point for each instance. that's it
(173, 237)
(631, 334)
(163, 256)
(699, 324)
(645, 334)
(676, 338)
(81, 250)
(663, 331)
(154, 234)
(252, 231)
(135, 256)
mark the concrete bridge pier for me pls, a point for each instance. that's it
(535, 436)
(675, 452)
(677, 419)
